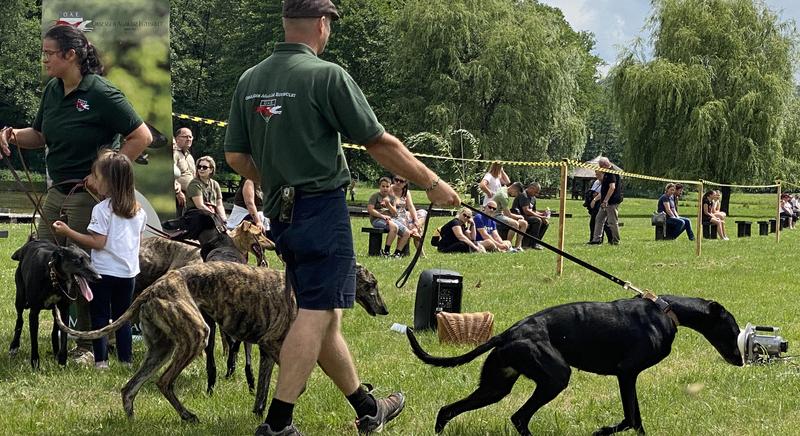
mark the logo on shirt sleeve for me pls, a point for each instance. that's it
(81, 105)
(267, 108)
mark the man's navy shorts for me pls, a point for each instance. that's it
(318, 250)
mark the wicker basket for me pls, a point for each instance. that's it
(464, 328)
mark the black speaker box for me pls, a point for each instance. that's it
(438, 290)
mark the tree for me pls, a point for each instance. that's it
(20, 46)
(511, 73)
(710, 103)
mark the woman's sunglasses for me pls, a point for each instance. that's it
(203, 167)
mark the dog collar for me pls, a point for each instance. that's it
(54, 280)
(662, 305)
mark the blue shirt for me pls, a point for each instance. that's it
(485, 223)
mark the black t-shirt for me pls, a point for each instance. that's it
(608, 179)
(707, 202)
(446, 235)
(520, 201)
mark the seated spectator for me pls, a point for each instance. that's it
(458, 235)
(675, 223)
(717, 208)
(525, 205)
(406, 212)
(796, 203)
(709, 216)
(247, 205)
(203, 191)
(381, 209)
(786, 210)
(493, 180)
(486, 230)
(504, 213)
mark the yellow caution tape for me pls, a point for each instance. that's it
(576, 163)
(570, 162)
(200, 120)
(707, 182)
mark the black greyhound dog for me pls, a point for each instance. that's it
(48, 275)
(215, 245)
(621, 338)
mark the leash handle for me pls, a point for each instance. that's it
(401, 281)
(580, 262)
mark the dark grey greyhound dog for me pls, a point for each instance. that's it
(47, 276)
(249, 303)
(621, 338)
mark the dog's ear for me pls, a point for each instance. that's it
(714, 308)
(18, 254)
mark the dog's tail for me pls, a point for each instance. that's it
(450, 361)
(97, 334)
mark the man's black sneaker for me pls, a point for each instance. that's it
(388, 409)
(265, 430)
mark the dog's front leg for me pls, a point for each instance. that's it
(211, 364)
(33, 327)
(13, 349)
(630, 407)
(265, 366)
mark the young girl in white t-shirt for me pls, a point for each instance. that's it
(114, 235)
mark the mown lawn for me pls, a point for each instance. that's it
(754, 278)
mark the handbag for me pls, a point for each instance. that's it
(658, 218)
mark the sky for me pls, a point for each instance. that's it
(616, 23)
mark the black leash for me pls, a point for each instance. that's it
(407, 273)
(580, 262)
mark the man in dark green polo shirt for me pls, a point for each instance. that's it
(287, 114)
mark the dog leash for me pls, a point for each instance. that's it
(646, 294)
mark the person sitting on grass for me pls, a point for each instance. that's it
(486, 230)
(506, 216)
(710, 217)
(675, 224)
(458, 235)
(381, 209)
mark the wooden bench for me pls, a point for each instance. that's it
(743, 228)
(376, 241)
(763, 228)
(709, 230)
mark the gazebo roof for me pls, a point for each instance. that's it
(586, 173)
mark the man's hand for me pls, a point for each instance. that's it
(181, 198)
(443, 195)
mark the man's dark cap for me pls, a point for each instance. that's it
(309, 9)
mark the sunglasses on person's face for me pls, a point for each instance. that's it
(491, 208)
(203, 167)
(466, 215)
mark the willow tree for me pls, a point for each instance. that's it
(710, 102)
(512, 73)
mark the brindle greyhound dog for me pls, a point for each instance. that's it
(48, 275)
(621, 338)
(249, 303)
(217, 245)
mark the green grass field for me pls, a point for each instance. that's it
(753, 278)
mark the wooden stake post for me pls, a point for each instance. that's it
(699, 235)
(562, 218)
(778, 215)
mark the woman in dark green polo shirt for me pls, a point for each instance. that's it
(80, 113)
